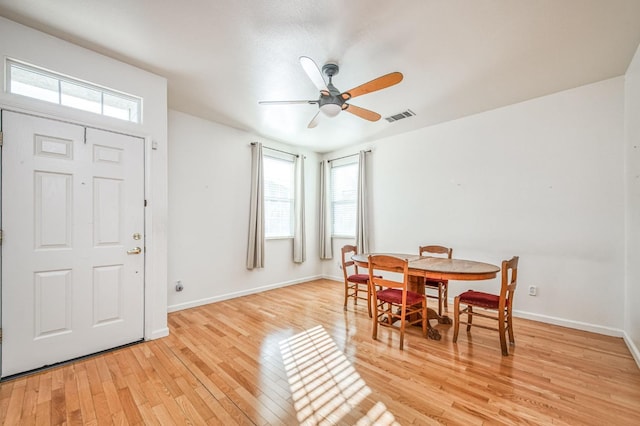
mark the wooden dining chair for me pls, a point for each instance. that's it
(494, 306)
(392, 300)
(356, 285)
(439, 287)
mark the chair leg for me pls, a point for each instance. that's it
(425, 318)
(369, 293)
(356, 288)
(446, 297)
(469, 317)
(374, 333)
(346, 294)
(456, 318)
(503, 337)
(512, 340)
(403, 320)
(440, 301)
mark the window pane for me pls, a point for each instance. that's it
(120, 107)
(344, 218)
(344, 193)
(277, 215)
(80, 97)
(278, 197)
(34, 85)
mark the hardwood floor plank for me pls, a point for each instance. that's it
(147, 414)
(190, 392)
(43, 413)
(14, 406)
(129, 407)
(59, 410)
(87, 408)
(294, 356)
(6, 392)
(30, 399)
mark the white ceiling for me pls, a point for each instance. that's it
(458, 57)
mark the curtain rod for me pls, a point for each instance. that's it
(278, 150)
(345, 156)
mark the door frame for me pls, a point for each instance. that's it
(149, 145)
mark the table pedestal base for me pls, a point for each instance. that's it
(417, 284)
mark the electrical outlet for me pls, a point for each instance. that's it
(179, 286)
(533, 290)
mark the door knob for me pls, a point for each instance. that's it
(136, 250)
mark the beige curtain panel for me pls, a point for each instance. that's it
(362, 213)
(255, 246)
(299, 237)
(326, 250)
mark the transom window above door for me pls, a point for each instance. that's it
(34, 82)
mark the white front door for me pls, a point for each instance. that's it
(72, 217)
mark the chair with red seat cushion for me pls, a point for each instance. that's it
(355, 284)
(440, 287)
(488, 304)
(394, 301)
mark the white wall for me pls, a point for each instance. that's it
(25, 44)
(543, 179)
(209, 181)
(632, 136)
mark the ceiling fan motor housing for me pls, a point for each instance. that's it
(330, 69)
(332, 103)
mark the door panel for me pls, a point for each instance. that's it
(52, 301)
(53, 210)
(72, 200)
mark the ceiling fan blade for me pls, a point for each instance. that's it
(363, 113)
(373, 85)
(314, 122)
(314, 73)
(286, 102)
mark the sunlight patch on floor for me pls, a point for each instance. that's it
(324, 385)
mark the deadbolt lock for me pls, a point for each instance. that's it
(137, 236)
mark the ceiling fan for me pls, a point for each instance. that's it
(331, 100)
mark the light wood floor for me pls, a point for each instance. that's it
(293, 356)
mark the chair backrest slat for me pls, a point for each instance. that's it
(433, 249)
(348, 251)
(509, 278)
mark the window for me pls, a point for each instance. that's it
(33, 82)
(278, 196)
(344, 193)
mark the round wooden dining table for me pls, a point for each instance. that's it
(436, 268)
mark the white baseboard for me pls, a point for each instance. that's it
(333, 278)
(632, 348)
(206, 301)
(578, 325)
(157, 334)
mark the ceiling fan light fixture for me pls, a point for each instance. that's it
(331, 110)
